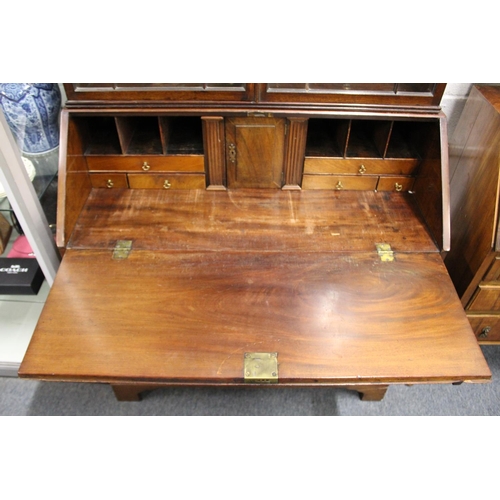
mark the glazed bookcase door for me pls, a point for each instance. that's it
(161, 92)
(407, 94)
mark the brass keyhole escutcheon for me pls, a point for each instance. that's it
(339, 186)
(362, 169)
(145, 166)
(398, 187)
(109, 184)
(232, 153)
(167, 185)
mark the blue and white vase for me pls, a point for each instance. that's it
(32, 112)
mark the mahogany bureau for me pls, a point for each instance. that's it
(232, 234)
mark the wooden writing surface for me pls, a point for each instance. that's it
(191, 299)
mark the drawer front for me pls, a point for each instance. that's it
(486, 298)
(493, 273)
(395, 184)
(109, 181)
(194, 163)
(346, 182)
(174, 181)
(486, 328)
(359, 166)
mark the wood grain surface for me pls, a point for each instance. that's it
(190, 317)
(252, 220)
(213, 275)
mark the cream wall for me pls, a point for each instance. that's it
(453, 102)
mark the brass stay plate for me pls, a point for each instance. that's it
(261, 367)
(122, 249)
(385, 252)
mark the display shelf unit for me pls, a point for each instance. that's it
(22, 207)
(46, 173)
(19, 315)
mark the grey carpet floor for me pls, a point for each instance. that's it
(27, 397)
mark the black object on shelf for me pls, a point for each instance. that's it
(20, 276)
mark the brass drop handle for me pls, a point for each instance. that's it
(339, 186)
(362, 169)
(484, 332)
(232, 152)
(145, 166)
(398, 187)
(109, 184)
(167, 185)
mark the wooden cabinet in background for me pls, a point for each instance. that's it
(474, 259)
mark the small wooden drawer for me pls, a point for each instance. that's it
(340, 182)
(486, 297)
(395, 184)
(149, 163)
(359, 166)
(486, 327)
(174, 181)
(493, 273)
(109, 181)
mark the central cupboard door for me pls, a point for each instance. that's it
(255, 152)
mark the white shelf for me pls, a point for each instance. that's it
(18, 316)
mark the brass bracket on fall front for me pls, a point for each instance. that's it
(122, 249)
(261, 367)
(385, 252)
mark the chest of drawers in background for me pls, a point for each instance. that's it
(474, 259)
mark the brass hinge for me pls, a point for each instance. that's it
(385, 252)
(261, 367)
(122, 249)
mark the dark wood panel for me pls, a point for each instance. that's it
(252, 220)
(487, 297)
(493, 273)
(214, 142)
(294, 153)
(191, 317)
(431, 186)
(74, 183)
(474, 189)
(255, 156)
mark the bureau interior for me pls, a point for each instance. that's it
(371, 139)
(388, 154)
(144, 134)
(382, 155)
